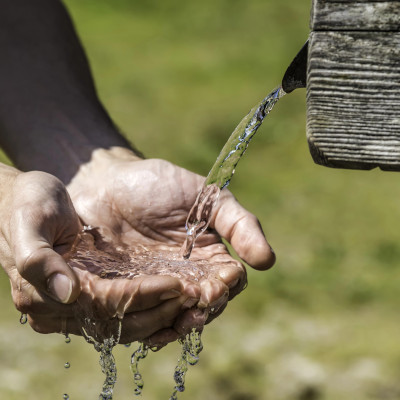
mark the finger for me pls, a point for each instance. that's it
(243, 230)
(34, 228)
(235, 277)
(194, 318)
(216, 314)
(39, 264)
(162, 338)
(153, 290)
(135, 326)
(28, 300)
(109, 298)
(214, 293)
(143, 324)
(44, 324)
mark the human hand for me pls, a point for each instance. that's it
(147, 201)
(39, 224)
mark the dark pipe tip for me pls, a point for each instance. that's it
(296, 75)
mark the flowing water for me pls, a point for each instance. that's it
(191, 347)
(138, 355)
(115, 262)
(104, 335)
(223, 169)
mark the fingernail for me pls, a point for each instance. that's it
(170, 294)
(200, 317)
(217, 304)
(60, 287)
(233, 283)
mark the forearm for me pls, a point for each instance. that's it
(50, 116)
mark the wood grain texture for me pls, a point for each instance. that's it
(355, 16)
(353, 99)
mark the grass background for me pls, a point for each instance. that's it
(177, 76)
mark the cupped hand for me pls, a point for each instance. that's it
(146, 202)
(38, 224)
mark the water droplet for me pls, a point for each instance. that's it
(23, 319)
(67, 365)
(65, 396)
(67, 338)
(138, 355)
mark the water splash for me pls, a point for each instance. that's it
(110, 261)
(104, 336)
(223, 169)
(119, 261)
(191, 346)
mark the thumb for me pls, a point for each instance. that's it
(45, 269)
(40, 265)
(243, 231)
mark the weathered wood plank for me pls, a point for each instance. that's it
(332, 15)
(353, 99)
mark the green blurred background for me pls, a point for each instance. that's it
(177, 76)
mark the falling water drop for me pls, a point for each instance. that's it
(67, 338)
(65, 396)
(23, 319)
(138, 355)
(67, 365)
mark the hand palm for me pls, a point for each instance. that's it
(144, 202)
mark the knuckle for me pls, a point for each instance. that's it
(22, 303)
(27, 263)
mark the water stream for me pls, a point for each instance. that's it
(223, 169)
(114, 262)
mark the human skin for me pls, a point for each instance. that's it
(147, 202)
(38, 224)
(51, 120)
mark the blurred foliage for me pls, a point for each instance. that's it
(177, 76)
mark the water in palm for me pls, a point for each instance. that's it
(127, 262)
(223, 169)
